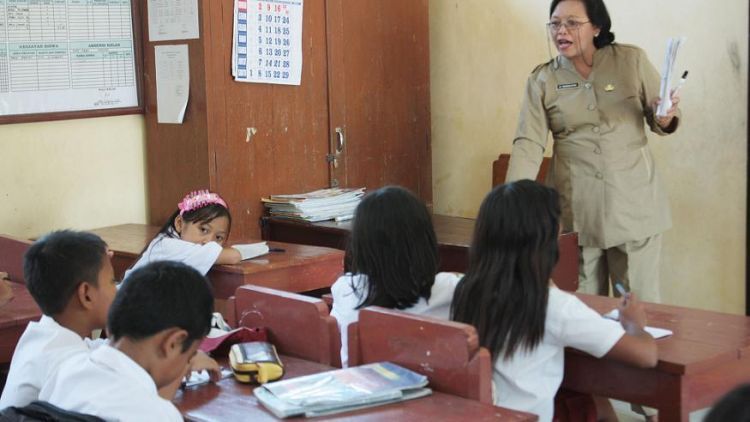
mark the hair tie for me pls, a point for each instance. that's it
(199, 199)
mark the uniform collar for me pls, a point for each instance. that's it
(562, 62)
(122, 364)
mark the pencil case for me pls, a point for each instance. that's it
(255, 361)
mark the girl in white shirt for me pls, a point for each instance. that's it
(391, 261)
(194, 235)
(521, 317)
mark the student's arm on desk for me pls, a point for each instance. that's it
(636, 347)
(229, 255)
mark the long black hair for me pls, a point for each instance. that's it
(599, 17)
(201, 215)
(505, 290)
(393, 243)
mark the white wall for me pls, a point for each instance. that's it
(78, 174)
(483, 50)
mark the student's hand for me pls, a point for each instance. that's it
(632, 314)
(6, 291)
(201, 361)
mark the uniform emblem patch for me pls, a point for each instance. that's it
(609, 88)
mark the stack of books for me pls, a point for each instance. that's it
(320, 205)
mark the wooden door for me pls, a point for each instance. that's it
(379, 94)
(267, 139)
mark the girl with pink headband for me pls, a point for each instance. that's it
(194, 235)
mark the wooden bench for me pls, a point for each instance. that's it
(447, 352)
(12, 250)
(297, 325)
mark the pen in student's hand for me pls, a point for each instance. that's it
(620, 288)
(680, 83)
(276, 250)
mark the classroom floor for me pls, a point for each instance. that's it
(624, 414)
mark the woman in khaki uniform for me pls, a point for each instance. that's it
(595, 97)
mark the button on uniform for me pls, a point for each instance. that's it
(599, 176)
(597, 150)
(595, 129)
(587, 85)
(591, 107)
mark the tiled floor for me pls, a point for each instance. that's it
(626, 415)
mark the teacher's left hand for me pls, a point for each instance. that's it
(665, 121)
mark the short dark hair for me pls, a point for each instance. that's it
(159, 296)
(514, 250)
(599, 17)
(393, 243)
(58, 262)
(734, 406)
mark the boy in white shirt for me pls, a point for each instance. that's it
(70, 276)
(156, 324)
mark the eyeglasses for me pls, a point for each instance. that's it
(570, 25)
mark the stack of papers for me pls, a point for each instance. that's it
(665, 90)
(342, 390)
(320, 205)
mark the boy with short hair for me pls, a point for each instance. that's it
(70, 276)
(156, 324)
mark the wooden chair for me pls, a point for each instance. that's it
(447, 352)
(500, 169)
(12, 250)
(297, 325)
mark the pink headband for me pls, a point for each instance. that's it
(199, 199)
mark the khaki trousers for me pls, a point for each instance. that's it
(634, 264)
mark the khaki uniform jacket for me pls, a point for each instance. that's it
(601, 164)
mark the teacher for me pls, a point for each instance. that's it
(594, 98)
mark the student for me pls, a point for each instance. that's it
(392, 261)
(520, 316)
(734, 406)
(6, 291)
(70, 276)
(195, 235)
(156, 324)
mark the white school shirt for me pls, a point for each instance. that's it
(529, 380)
(109, 384)
(39, 352)
(346, 300)
(165, 248)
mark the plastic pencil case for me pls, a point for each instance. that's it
(255, 361)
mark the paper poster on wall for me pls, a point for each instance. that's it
(172, 20)
(172, 82)
(267, 45)
(66, 55)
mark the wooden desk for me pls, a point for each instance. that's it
(453, 235)
(300, 268)
(14, 317)
(231, 401)
(707, 356)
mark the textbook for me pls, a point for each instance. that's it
(319, 205)
(342, 390)
(252, 250)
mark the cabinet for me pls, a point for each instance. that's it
(359, 118)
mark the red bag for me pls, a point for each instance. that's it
(219, 346)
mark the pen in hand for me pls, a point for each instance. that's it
(680, 83)
(621, 289)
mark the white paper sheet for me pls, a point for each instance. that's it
(172, 82)
(267, 45)
(172, 20)
(673, 45)
(655, 332)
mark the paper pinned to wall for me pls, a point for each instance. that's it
(267, 45)
(172, 20)
(172, 82)
(673, 45)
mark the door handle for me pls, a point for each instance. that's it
(340, 140)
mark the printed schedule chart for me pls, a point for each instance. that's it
(268, 41)
(65, 55)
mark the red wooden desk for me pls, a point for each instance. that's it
(707, 356)
(231, 401)
(453, 235)
(14, 317)
(299, 268)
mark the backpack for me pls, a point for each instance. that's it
(40, 411)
